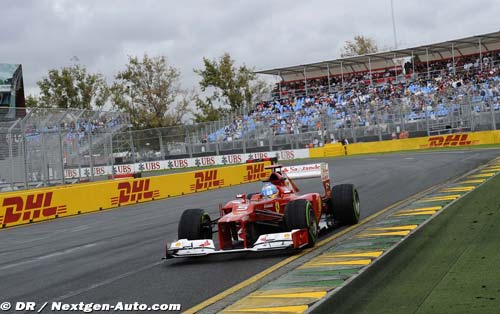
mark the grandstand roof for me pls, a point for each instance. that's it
(437, 51)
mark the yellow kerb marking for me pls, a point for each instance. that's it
(360, 254)
(356, 262)
(496, 168)
(440, 198)
(430, 212)
(382, 234)
(483, 175)
(473, 181)
(407, 227)
(279, 309)
(309, 295)
(421, 209)
(459, 189)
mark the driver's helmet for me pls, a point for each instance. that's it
(269, 190)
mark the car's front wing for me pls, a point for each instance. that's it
(297, 238)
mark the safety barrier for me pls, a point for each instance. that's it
(439, 141)
(48, 203)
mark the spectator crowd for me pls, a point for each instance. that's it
(417, 92)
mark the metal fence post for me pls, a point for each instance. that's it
(112, 156)
(493, 123)
(131, 139)
(61, 150)
(243, 139)
(162, 149)
(45, 164)
(427, 122)
(379, 124)
(61, 155)
(90, 152)
(10, 141)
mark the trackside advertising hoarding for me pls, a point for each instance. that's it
(233, 159)
(27, 206)
(438, 141)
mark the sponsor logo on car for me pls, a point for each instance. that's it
(27, 208)
(134, 191)
(206, 179)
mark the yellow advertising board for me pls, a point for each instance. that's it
(48, 203)
(438, 141)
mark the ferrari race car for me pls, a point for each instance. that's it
(276, 218)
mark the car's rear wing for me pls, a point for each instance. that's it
(307, 171)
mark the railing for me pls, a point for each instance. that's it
(36, 149)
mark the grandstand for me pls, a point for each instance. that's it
(45, 142)
(431, 81)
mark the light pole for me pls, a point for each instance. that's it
(131, 139)
(394, 26)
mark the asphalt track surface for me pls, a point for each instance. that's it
(115, 255)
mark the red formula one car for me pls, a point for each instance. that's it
(276, 218)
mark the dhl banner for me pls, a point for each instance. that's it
(48, 203)
(437, 141)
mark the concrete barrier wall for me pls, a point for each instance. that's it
(34, 205)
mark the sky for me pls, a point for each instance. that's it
(101, 34)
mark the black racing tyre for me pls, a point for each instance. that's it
(194, 225)
(299, 214)
(345, 204)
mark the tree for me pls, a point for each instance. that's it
(31, 101)
(361, 45)
(232, 88)
(149, 91)
(72, 87)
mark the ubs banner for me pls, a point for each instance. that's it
(11, 91)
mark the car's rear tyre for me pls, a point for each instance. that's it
(345, 204)
(299, 214)
(194, 225)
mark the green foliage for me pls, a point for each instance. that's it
(31, 101)
(361, 45)
(72, 87)
(149, 90)
(231, 88)
(206, 111)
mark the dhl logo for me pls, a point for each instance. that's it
(449, 140)
(205, 180)
(255, 172)
(134, 192)
(34, 207)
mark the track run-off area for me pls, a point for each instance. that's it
(115, 255)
